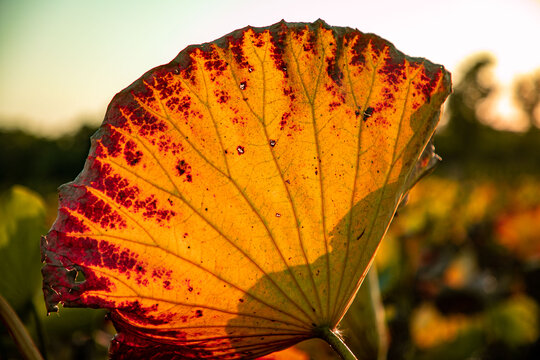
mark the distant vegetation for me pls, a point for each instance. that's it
(467, 146)
(39, 163)
(459, 269)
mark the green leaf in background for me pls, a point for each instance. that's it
(22, 222)
(514, 321)
(364, 325)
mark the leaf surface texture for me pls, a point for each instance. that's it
(233, 199)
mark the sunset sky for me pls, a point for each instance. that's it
(63, 60)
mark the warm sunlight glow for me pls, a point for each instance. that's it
(501, 111)
(60, 60)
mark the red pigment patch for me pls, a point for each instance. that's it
(238, 120)
(183, 168)
(165, 145)
(309, 44)
(136, 312)
(188, 283)
(332, 69)
(259, 41)
(288, 91)
(172, 102)
(383, 122)
(427, 86)
(99, 212)
(222, 96)
(166, 86)
(164, 275)
(62, 288)
(131, 154)
(331, 88)
(119, 190)
(73, 295)
(284, 118)
(285, 121)
(238, 52)
(151, 211)
(184, 105)
(276, 52)
(357, 48)
(190, 68)
(388, 96)
(197, 314)
(113, 185)
(378, 45)
(111, 141)
(146, 124)
(70, 223)
(333, 105)
(214, 64)
(394, 72)
(114, 257)
(129, 345)
(362, 41)
(94, 282)
(90, 252)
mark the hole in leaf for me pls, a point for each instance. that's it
(80, 277)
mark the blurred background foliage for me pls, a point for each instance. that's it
(458, 272)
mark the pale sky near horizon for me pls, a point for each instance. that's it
(63, 60)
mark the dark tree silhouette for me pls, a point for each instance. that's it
(527, 95)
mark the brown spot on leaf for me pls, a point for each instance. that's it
(367, 113)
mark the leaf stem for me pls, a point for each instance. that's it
(39, 331)
(18, 332)
(377, 310)
(335, 341)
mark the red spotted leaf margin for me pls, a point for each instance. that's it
(182, 139)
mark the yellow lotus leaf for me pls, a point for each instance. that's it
(233, 199)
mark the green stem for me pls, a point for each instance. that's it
(336, 343)
(18, 331)
(39, 331)
(378, 312)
